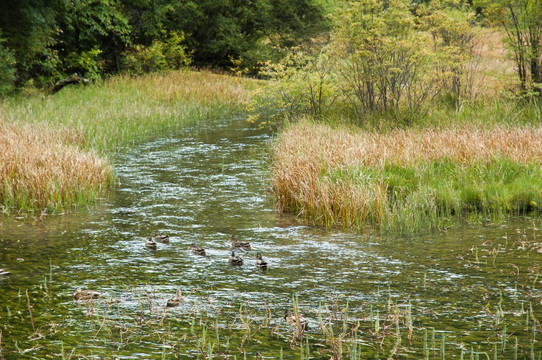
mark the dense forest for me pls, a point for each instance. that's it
(42, 41)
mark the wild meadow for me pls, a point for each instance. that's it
(406, 178)
(404, 130)
(57, 148)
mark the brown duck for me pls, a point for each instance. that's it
(235, 260)
(236, 243)
(176, 300)
(161, 238)
(150, 244)
(86, 294)
(197, 250)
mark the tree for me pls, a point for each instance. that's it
(29, 27)
(522, 21)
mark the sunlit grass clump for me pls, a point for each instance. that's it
(406, 178)
(49, 143)
(43, 169)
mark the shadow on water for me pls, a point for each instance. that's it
(475, 286)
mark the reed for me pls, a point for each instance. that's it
(41, 168)
(406, 178)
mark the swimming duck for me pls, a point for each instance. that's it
(235, 260)
(261, 263)
(86, 294)
(175, 301)
(161, 238)
(197, 250)
(4, 272)
(236, 243)
(293, 320)
(150, 244)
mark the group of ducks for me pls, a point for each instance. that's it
(295, 320)
(158, 237)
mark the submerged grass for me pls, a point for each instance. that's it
(406, 178)
(55, 148)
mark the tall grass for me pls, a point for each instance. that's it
(55, 148)
(404, 178)
(41, 168)
(123, 110)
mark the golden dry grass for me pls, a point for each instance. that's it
(495, 71)
(306, 152)
(41, 168)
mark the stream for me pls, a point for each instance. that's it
(472, 291)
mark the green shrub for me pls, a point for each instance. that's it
(7, 69)
(161, 55)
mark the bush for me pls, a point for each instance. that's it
(7, 69)
(382, 61)
(162, 55)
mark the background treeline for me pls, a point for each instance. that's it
(42, 41)
(401, 59)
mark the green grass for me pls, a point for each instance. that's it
(124, 110)
(428, 193)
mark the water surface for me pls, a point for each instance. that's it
(472, 287)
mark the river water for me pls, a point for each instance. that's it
(473, 291)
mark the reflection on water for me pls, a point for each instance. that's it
(207, 183)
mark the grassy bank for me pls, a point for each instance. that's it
(56, 144)
(406, 178)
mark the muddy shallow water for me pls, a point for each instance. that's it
(472, 289)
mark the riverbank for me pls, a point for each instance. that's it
(92, 123)
(406, 178)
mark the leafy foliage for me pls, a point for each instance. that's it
(168, 54)
(522, 21)
(387, 59)
(7, 69)
(52, 39)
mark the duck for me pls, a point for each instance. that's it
(197, 250)
(261, 263)
(161, 238)
(86, 294)
(235, 260)
(4, 272)
(150, 244)
(291, 319)
(175, 301)
(236, 243)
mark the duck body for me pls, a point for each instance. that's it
(236, 243)
(291, 319)
(175, 301)
(161, 238)
(4, 272)
(261, 263)
(235, 260)
(86, 294)
(150, 244)
(197, 250)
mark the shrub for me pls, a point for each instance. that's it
(7, 69)
(380, 61)
(161, 55)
